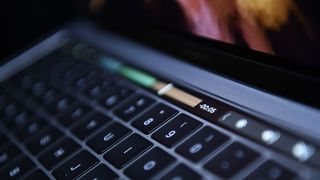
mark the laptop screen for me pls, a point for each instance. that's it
(285, 28)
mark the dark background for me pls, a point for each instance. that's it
(24, 22)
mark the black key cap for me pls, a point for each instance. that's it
(127, 150)
(176, 130)
(149, 165)
(31, 128)
(16, 116)
(156, 116)
(54, 155)
(201, 144)
(181, 172)
(90, 124)
(37, 175)
(115, 96)
(73, 114)
(50, 96)
(231, 160)
(133, 107)
(107, 137)
(101, 172)
(39, 89)
(20, 119)
(273, 171)
(12, 110)
(77, 165)
(8, 153)
(17, 168)
(85, 80)
(43, 140)
(28, 81)
(59, 105)
(98, 88)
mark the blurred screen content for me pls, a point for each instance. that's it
(287, 28)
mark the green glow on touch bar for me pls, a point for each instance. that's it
(130, 73)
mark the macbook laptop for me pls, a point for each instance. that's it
(167, 90)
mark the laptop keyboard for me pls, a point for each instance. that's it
(66, 119)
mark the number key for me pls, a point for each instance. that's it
(148, 121)
(176, 130)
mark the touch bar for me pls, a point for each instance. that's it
(177, 94)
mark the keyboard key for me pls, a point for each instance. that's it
(181, 172)
(17, 168)
(39, 89)
(43, 140)
(59, 105)
(107, 137)
(201, 144)
(74, 167)
(271, 170)
(101, 172)
(176, 130)
(54, 155)
(85, 80)
(50, 96)
(12, 110)
(37, 175)
(127, 150)
(153, 118)
(90, 124)
(115, 96)
(149, 165)
(133, 107)
(28, 81)
(231, 160)
(8, 153)
(73, 114)
(30, 129)
(20, 119)
(16, 116)
(98, 88)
